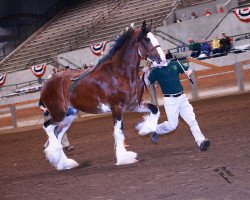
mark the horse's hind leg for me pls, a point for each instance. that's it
(150, 121)
(54, 151)
(122, 155)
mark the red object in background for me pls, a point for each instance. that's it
(38, 70)
(2, 79)
(243, 14)
(99, 48)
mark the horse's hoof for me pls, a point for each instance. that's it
(126, 158)
(67, 164)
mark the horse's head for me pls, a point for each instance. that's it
(148, 45)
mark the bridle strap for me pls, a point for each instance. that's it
(148, 49)
(153, 48)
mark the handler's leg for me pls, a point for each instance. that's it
(172, 110)
(187, 113)
(66, 145)
(65, 140)
(171, 106)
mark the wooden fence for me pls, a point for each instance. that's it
(28, 113)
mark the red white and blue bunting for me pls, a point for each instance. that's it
(243, 14)
(38, 70)
(99, 48)
(2, 79)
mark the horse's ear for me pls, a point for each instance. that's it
(144, 28)
(144, 25)
(143, 32)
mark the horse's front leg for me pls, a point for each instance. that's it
(122, 155)
(150, 121)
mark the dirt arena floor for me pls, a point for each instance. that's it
(172, 169)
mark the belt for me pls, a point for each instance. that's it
(173, 95)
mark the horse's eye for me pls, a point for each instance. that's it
(147, 39)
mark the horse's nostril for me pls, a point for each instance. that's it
(158, 61)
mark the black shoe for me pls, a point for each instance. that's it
(154, 138)
(204, 145)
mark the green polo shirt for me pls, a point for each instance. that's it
(168, 77)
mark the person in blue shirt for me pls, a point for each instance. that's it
(175, 102)
(205, 48)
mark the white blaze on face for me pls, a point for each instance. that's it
(155, 42)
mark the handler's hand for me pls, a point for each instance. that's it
(146, 69)
(189, 72)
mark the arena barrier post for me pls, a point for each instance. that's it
(13, 115)
(194, 88)
(239, 77)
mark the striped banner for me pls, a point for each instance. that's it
(243, 14)
(99, 48)
(38, 70)
(2, 79)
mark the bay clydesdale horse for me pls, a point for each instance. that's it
(113, 85)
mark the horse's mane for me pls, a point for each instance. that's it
(118, 43)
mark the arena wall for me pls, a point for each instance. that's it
(15, 78)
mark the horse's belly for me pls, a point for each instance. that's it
(92, 107)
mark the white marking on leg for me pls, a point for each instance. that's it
(149, 123)
(54, 151)
(122, 155)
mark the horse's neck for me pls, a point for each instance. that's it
(129, 60)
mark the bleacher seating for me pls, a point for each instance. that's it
(60, 33)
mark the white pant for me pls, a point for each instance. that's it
(175, 106)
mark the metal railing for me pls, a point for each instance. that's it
(22, 85)
(217, 25)
(165, 36)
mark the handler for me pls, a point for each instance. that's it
(175, 102)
